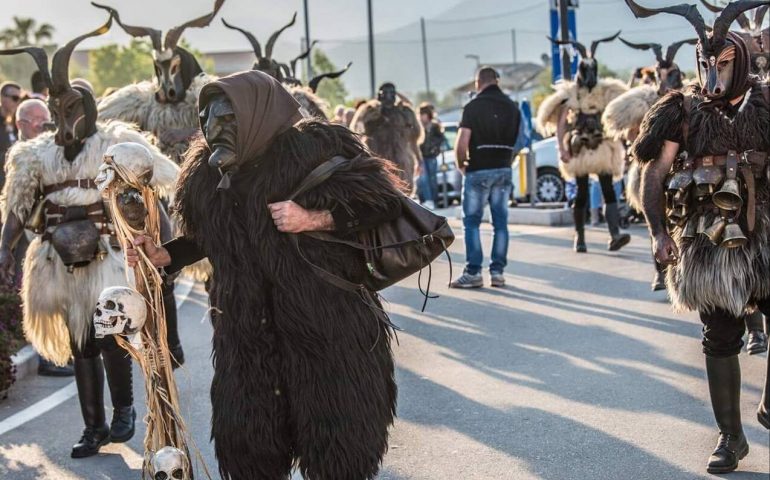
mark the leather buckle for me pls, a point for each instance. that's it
(707, 161)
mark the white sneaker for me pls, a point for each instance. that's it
(429, 204)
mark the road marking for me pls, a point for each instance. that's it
(39, 408)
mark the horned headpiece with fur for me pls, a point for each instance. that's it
(723, 56)
(73, 108)
(667, 72)
(282, 72)
(588, 69)
(175, 67)
(756, 37)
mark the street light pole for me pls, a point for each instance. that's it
(513, 42)
(566, 64)
(307, 43)
(371, 48)
(425, 57)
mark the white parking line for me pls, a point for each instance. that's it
(39, 408)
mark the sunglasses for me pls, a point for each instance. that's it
(15, 98)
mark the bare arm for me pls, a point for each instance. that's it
(654, 202)
(461, 148)
(561, 131)
(12, 231)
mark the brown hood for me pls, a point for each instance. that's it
(263, 109)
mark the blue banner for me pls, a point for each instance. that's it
(555, 50)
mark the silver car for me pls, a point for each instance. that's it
(550, 184)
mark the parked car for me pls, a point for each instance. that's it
(550, 184)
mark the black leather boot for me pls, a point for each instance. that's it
(172, 333)
(757, 341)
(579, 214)
(724, 379)
(89, 377)
(617, 240)
(117, 364)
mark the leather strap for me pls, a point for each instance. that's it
(751, 201)
(752, 157)
(325, 275)
(319, 175)
(85, 183)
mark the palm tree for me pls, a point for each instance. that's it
(23, 31)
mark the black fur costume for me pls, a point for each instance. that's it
(303, 371)
(707, 276)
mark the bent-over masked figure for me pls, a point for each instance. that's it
(50, 188)
(303, 371)
(707, 207)
(573, 112)
(167, 106)
(391, 130)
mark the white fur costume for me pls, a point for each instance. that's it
(58, 305)
(136, 104)
(609, 156)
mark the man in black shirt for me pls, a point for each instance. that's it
(484, 149)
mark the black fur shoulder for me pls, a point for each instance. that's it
(662, 122)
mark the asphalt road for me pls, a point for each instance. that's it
(575, 370)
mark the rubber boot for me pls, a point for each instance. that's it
(757, 341)
(579, 214)
(617, 240)
(763, 412)
(172, 332)
(724, 379)
(89, 378)
(117, 364)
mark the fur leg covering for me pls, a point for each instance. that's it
(608, 157)
(634, 186)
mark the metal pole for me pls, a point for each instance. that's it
(307, 43)
(513, 41)
(425, 56)
(371, 48)
(566, 64)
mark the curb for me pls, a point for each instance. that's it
(25, 361)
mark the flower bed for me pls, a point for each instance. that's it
(11, 336)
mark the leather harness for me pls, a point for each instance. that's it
(56, 214)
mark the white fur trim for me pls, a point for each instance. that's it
(626, 112)
(608, 157)
(567, 94)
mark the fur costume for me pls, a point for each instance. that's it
(136, 104)
(708, 276)
(609, 157)
(312, 103)
(303, 371)
(392, 134)
(58, 306)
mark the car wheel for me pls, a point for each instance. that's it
(550, 185)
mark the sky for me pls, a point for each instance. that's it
(454, 29)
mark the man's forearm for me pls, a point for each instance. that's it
(461, 157)
(12, 231)
(653, 198)
(320, 221)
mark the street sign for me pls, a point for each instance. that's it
(556, 34)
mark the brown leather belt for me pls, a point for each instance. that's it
(85, 183)
(57, 214)
(751, 157)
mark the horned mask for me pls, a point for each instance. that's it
(73, 109)
(284, 73)
(175, 67)
(667, 72)
(588, 69)
(723, 56)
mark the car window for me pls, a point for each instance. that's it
(450, 132)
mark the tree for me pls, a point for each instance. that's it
(25, 31)
(331, 90)
(424, 96)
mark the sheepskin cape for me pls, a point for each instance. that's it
(391, 134)
(706, 276)
(136, 104)
(312, 103)
(609, 157)
(58, 306)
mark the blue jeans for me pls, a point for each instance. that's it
(428, 180)
(596, 193)
(479, 188)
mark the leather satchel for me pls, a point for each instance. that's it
(393, 250)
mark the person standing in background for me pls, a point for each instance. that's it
(430, 149)
(485, 147)
(10, 96)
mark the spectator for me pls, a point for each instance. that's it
(349, 114)
(39, 87)
(485, 148)
(31, 118)
(339, 114)
(10, 96)
(430, 149)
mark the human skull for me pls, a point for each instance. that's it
(130, 156)
(120, 310)
(168, 463)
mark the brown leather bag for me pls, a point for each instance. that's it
(393, 250)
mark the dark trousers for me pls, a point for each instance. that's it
(723, 332)
(608, 191)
